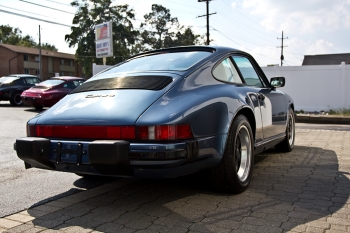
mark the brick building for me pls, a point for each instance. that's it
(23, 60)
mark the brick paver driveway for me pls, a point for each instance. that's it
(306, 190)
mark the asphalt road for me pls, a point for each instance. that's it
(21, 188)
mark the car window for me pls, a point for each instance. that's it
(69, 85)
(78, 82)
(161, 61)
(18, 82)
(248, 72)
(7, 79)
(51, 82)
(226, 72)
(32, 80)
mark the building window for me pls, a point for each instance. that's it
(25, 58)
(62, 61)
(61, 73)
(37, 72)
(26, 70)
(37, 59)
(71, 63)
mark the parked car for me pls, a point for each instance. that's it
(49, 92)
(12, 86)
(166, 113)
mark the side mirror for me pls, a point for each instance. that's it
(277, 81)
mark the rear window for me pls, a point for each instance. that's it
(51, 82)
(128, 82)
(161, 62)
(5, 80)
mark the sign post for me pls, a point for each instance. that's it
(104, 42)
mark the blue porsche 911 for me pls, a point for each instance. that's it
(166, 113)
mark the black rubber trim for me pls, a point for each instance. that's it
(129, 82)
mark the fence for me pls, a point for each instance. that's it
(315, 88)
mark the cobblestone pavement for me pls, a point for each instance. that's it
(306, 190)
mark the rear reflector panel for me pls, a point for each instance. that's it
(158, 132)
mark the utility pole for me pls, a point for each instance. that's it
(207, 15)
(282, 57)
(40, 63)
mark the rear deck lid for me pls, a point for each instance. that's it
(110, 101)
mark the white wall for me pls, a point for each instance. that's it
(315, 88)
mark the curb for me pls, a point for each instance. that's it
(323, 119)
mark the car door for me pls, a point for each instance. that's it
(226, 72)
(271, 101)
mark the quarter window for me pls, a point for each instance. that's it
(32, 80)
(226, 72)
(248, 72)
(69, 85)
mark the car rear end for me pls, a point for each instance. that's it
(97, 129)
(44, 94)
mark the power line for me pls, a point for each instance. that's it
(59, 3)
(25, 11)
(242, 45)
(47, 7)
(30, 17)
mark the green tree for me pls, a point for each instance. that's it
(13, 36)
(10, 35)
(47, 46)
(93, 12)
(187, 38)
(161, 30)
(28, 41)
(158, 28)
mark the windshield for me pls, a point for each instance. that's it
(51, 82)
(5, 80)
(162, 61)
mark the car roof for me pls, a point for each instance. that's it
(22, 75)
(220, 49)
(67, 78)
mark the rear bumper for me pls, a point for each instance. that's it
(37, 101)
(120, 158)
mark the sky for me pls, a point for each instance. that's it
(255, 26)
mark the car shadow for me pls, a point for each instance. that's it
(32, 109)
(82, 184)
(6, 104)
(289, 191)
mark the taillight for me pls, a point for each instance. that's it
(87, 132)
(46, 95)
(158, 132)
(31, 130)
(165, 132)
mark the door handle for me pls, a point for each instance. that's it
(261, 97)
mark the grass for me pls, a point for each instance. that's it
(340, 112)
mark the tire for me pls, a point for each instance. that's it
(235, 170)
(16, 99)
(287, 144)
